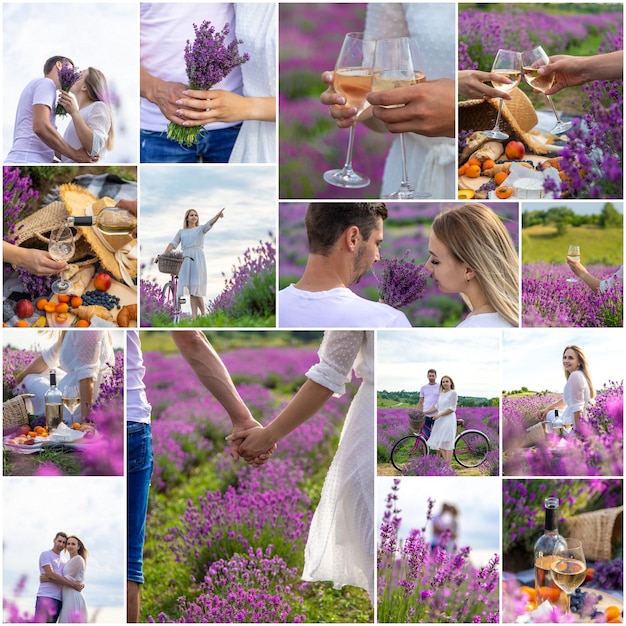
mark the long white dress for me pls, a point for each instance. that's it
(74, 608)
(431, 161)
(97, 116)
(444, 431)
(256, 26)
(340, 546)
(193, 276)
(577, 397)
(485, 320)
(76, 355)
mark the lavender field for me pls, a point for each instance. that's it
(597, 451)
(226, 542)
(407, 228)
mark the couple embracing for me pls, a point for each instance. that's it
(60, 598)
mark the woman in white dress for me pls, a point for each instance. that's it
(87, 103)
(255, 26)
(578, 393)
(193, 274)
(74, 607)
(81, 357)
(443, 433)
(340, 546)
(471, 253)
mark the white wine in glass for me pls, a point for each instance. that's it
(61, 248)
(71, 400)
(569, 567)
(353, 80)
(532, 60)
(573, 252)
(507, 63)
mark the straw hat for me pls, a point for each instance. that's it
(117, 253)
(517, 120)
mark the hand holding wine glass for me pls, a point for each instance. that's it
(61, 248)
(573, 252)
(507, 63)
(569, 567)
(353, 80)
(532, 60)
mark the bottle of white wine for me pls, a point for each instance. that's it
(110, 221)
(53, 400)
(545, 587)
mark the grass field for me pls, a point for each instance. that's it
(603, 246)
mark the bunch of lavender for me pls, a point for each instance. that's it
(18, 198)
(402, 281)
(68, 75)
(208, 61)
(610, 575)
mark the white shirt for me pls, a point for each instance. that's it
(137, 407)
(335, 308)
(430, 393)
(609, 283)
(485, 320)
(50, 589)
(97, 116)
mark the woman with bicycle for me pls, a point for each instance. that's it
(443, 433)
(193, 274)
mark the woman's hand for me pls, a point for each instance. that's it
(255, 445)
(472, 85)
(69, 103)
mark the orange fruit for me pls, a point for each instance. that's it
(82, 324)
(22, 324)
(60, 318)
(76, 301)
(530, 592)
(500, 177)
(590, 573)
(463, 169)
(64, 298)
(612, 613)
(488, 164)
(76, 425)
(473, 171)
(41, 303)
(473, 161)
(62, 308)
(553, 594)
(50, 307)
(504, 191)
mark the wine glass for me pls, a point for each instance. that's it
(398, 63)
(71, 399)
(61, 248)
(353, 80)
(568, 567)
(532, 60)
(573, 252)
(509, 64)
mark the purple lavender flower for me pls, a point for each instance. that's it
(208, 60)
(68, 75)
(402, 281)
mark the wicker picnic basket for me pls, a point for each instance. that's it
(15, 412)
(170, 264)
(417, 419)
(598, 530)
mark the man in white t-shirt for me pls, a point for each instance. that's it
(164, 32)
(429, 394)
(35, 137)
(344, 240)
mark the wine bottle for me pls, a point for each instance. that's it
(53, 400)
(545, 588)
(110, 221)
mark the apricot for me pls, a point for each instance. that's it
(50, 307)
(473, 171)
(463, 169)
(76, 301)
(64, 298)
(82, 324)
(22, 324)
(488, 164)
(76, 425)
(60, 318)
(473, 161)
(504, 191)
(612, 613)
(41, 303)
(62, 308)
(500, 177)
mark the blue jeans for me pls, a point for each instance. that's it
(47, 610)
(214, 146)
(139, 462)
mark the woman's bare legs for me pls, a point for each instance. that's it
(447, 456)
(197, 306)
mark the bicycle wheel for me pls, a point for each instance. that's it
(471, 448)
(406, 450)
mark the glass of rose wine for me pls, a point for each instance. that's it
(353, 80)
(573, 252)
(61, 248)
(569, 567)
(508, 63)
(532, 60)
(71, 400)
(398, 63)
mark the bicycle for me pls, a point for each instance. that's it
(470, 447)
(171, 264)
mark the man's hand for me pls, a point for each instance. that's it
(162, 93)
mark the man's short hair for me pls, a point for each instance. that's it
(326, 222)
(52, 61)
(60, 534)
(432, 370)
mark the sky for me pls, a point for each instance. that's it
(584, 207)
(531, 357)
(92, 34)
(471, 359)
(92, 508)
(478, 501)
(33, 339)
(166, 192)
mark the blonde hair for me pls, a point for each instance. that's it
(82, 551)
(475, 236)
(98, 91)
(584, 367)
(187, 215)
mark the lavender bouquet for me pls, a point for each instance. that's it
(402, 281)
(208, 60)
(68, 75)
